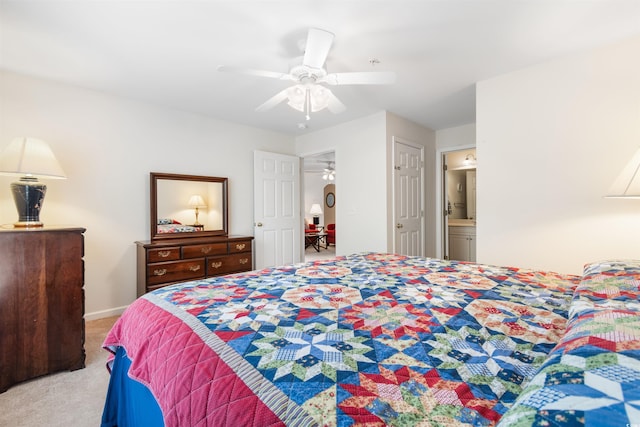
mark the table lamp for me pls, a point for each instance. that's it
(32, 159)
(627, 185)
(315, 211)
(196, 202)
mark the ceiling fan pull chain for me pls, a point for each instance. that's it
(307, 103)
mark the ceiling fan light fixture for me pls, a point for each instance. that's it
(308, 98)
(309, 73)
(329, 176)
(319, 96)
(329, 173)
(296, 96)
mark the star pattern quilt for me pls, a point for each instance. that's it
(592, 377)
(363, 340)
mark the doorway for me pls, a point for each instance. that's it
(319, 205)
(459, 199)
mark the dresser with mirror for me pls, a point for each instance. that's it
(189, 237)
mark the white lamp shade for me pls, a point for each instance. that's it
(317, 94)
(315, 209)
(627, 185)
(196, 201)
(30, 157)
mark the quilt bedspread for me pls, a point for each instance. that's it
(592, 377)
(368, 339)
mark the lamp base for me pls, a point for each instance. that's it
(28, 195)
(28, 224)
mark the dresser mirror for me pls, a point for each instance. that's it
(185, 206)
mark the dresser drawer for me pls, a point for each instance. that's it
(164, 254)
(240, 246)
(175, 271)
(198, 251)
(228, 264)
(183, 259)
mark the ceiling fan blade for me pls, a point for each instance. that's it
(360, 78)
(273, 101)
(254, 72)
(317, 48)
(334, 104)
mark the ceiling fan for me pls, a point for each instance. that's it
(308, 94)
(329, 173)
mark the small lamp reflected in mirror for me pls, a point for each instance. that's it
(315, 211)
(196, 201)
(32, 159)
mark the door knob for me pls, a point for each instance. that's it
(259, 224)
(399, 225)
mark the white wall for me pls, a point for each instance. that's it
(107, 147)
(361, 156)
(455, 138)
(363, 149)
(551, 139)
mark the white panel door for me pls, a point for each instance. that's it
(276, 187)
(408, 200)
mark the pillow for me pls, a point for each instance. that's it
(613, 285)
(165, 221)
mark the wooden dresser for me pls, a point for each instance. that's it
(41, 302)
(164, 262)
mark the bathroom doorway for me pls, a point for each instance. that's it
(459, 197)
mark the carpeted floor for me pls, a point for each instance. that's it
(310, 254)
(75, 398)
(66, 398)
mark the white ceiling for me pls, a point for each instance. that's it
(167, 52)
(317, 163)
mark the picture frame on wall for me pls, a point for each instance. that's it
(330, 200)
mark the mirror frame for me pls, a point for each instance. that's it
(155, 176)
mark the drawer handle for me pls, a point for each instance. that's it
(216, 264)
(244, 260)
(206, 250)
(160, 272)
(194, 267)
(240, 246)
(164, 254)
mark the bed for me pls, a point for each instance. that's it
(169, 226)
(378, 339)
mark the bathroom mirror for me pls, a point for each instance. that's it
(461, 193)
(185, 206)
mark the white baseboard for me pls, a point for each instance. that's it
(105, 313)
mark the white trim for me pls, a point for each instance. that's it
(439, 207)
(105, 313)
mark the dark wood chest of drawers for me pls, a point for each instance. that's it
(161, 263)
(41, 302)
